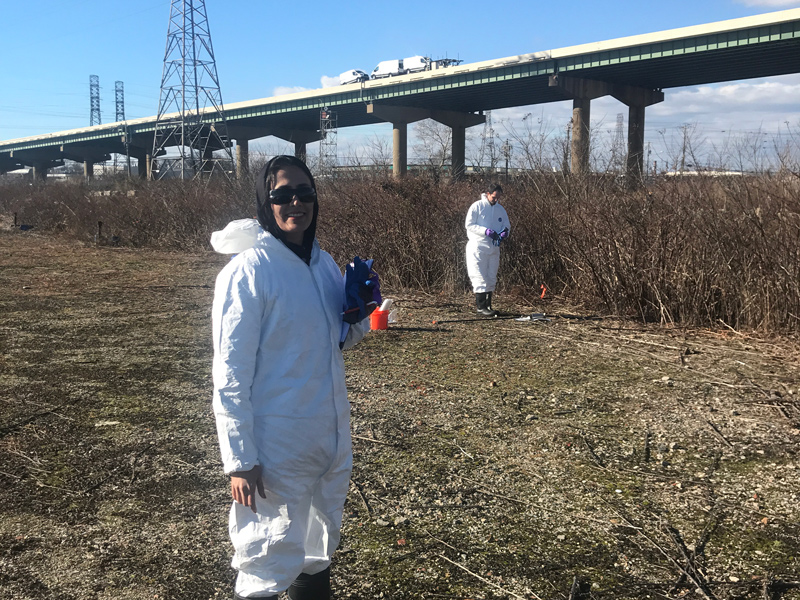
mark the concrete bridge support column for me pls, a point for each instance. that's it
(142, 159)
(401, 116)
(581, 115)
(636, 98)
(207, 162)
(299, 137)
(148, 167)
(88, 170)
(399, 149)
(39, 172)
(242, 158)
(459, 151)
(582, 92)
(300, 150)
(635, 162)
(458, 123)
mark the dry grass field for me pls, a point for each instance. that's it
(494, 459)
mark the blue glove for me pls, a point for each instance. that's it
(362, 290)
(491, 233)
(504, 234)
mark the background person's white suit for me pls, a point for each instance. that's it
(482, 254)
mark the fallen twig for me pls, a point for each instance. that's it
(580, 590)
(637, 352)
(113, 471)
(707, 593)
(699, 548)
(374, 441)
(433, 537)
(592, 453)
(536, 506)
(773, 588)
(361, 495)
(467, 454)
(483, 579)
(729, 327)
(719, 433)
(690, 566)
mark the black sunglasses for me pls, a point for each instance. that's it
(284, 195)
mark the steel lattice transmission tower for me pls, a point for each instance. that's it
(328, 131)
(94, 100)
(119, 102)
(190, 120)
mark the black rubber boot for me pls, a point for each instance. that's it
(482, 301)
(311, 587)
(479, 300)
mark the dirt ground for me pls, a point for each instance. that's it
(558, 459)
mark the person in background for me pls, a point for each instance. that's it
(280, 401)
(487, 227)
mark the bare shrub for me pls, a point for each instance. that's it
(412, 228)
(696, 251)
(167, 214)
(685, 250)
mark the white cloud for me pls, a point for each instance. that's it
(283, 90)
(776, 3)
(741, 105)
(329, 81)
(744, 105)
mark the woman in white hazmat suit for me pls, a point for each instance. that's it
(487, 227)
(280, 400)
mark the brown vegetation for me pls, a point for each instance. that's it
(699, 251)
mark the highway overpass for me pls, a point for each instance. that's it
(635, 70)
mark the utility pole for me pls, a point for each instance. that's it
(506, 149)
(190, 90)
(487, 143)
(619, 143)
(565, 167)
(684, 130)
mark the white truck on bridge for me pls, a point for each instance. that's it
(411, 64)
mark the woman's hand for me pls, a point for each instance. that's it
(244, 485)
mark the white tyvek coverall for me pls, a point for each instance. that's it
(280, 402)
(483, 258)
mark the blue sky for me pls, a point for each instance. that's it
(263, 48)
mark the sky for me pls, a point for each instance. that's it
(267, 48)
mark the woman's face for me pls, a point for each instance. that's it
(293, 218)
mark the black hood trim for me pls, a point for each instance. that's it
(266, 218)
